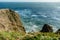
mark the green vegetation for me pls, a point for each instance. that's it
(42, 36)
(10, 35)
(28, 36)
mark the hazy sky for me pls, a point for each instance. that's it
(29, 0)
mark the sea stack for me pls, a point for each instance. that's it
(47, 28)
(10, 21)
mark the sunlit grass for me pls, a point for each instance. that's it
(10, 35)
(42, 36)
(28, 36)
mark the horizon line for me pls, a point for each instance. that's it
(12, 1)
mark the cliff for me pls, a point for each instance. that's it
(10, 21)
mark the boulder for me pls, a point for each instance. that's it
(10, 21)
(58, 31)
(47, 28)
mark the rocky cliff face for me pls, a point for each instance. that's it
(10, 21)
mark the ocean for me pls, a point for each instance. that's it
(35, 14)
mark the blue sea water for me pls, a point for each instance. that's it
(35, 15)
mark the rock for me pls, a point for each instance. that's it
(58, 31)
(47, 28)
(10, 21)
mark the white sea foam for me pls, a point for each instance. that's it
(56, 18)
(16, 11)
(55, 29)
(43, 15)
(33, 15)
(34, 26)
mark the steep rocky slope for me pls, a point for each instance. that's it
(10, 21)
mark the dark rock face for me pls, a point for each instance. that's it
(47, 28)
(58, 31)
(10, 21)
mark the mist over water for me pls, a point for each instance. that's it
(35, 15)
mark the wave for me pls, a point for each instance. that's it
(56, 18)
(34, 20)
(16, 11)
(43, 15)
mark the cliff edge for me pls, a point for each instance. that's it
(10, 21)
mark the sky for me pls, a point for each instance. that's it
(29, 0)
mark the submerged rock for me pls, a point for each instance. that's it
(10, 21)
(58, 31)
(47, 28)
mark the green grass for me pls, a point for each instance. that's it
(42, 36)
(28, 36)
(10, 35)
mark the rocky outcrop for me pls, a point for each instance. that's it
(47, 28)
(10, 21)
(58, 31)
